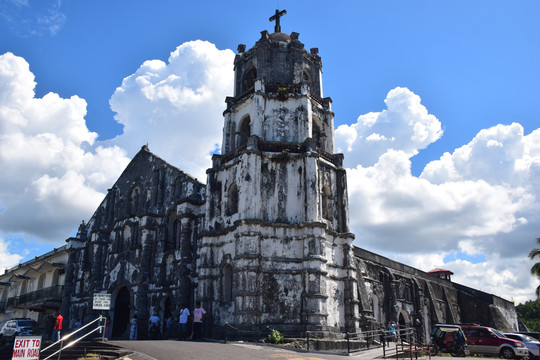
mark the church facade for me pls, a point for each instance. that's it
(266, 241)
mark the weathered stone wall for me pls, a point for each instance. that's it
(291, 277)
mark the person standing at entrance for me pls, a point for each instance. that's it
(154, 324)
(182, 322)
(199, 314)
(133, 328)
(58, 327)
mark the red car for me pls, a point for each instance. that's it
(488, 341)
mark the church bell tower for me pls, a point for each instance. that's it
(276, 249)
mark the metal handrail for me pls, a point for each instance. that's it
(65, 337)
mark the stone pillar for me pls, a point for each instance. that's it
(314, 314)
(394, 288)
(68, 283)
(143, 306)
(185, 241)
(248, 279)
(352, 317)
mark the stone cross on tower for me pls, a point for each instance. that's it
(276, 17)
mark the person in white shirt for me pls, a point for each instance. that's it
(182, 322)
(154, 321)
(199, 314)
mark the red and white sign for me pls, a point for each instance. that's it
(26, 348)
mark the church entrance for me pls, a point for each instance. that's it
(166, 314)
(121, 313)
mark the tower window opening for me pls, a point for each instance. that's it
(232, 201)
(244, 131)
(249, 78)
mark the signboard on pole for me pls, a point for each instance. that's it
(26, 348)
(102, 302)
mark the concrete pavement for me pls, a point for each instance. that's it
(178, 350)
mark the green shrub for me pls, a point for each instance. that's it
(275, 337)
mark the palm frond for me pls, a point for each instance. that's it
(535, 270)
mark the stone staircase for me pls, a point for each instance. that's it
(106, 350)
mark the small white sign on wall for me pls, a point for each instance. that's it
(102, 302)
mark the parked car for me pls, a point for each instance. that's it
(10, 329)
(530, 343)
(534, 335)
(488, 341)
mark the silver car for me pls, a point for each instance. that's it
(531, 343)
(17, 327)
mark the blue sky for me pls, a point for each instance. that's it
(465, 72)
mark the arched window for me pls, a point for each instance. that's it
(127, 236)
(226, 283)
(147, 199)
(326, 202)
(244, 131)
(134, 237)
(249, 78)
(41, 282)
(24, 287)
(118, 244)
(174, 228)
(232, 200)
(55, 279)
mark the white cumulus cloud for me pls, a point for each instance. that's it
(52, 174)
(405, 126)
(7, 259)
(176, 107)
(481, 199)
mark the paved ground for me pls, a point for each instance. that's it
(179, 350)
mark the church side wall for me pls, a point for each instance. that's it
(391, 291)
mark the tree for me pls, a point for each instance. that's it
(535, 270)
(529, 314)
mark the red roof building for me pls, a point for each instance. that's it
(442, 273)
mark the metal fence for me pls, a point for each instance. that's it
(348, 342)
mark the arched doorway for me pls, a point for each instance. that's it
(167, 311)
(121, 313)
(404, 321)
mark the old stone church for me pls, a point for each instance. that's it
(266, 241)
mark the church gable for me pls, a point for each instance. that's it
(148, 186)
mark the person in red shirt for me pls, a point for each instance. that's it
(58, 326)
